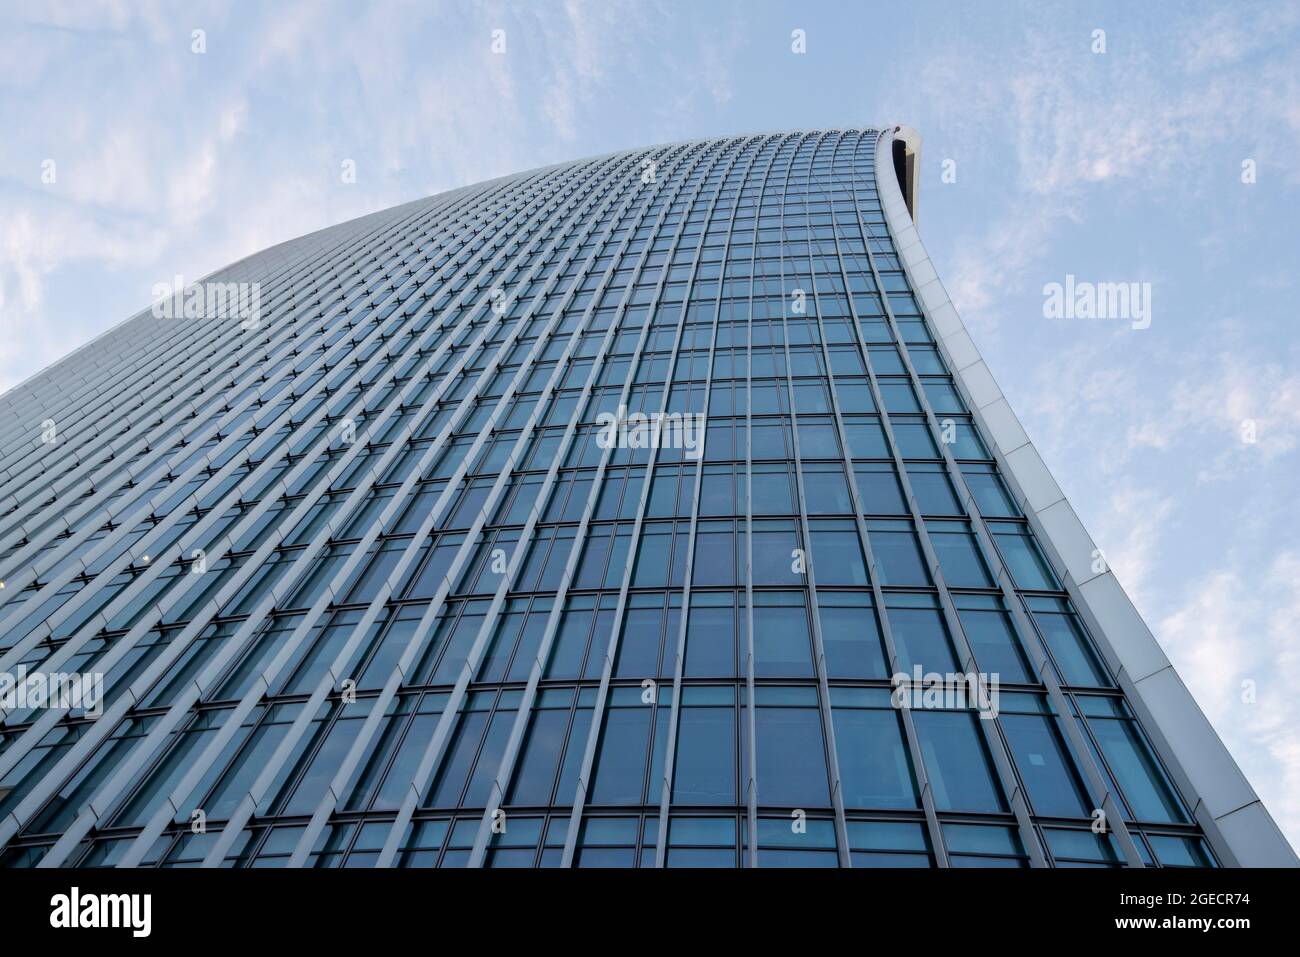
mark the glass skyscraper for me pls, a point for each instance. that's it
(649, 510)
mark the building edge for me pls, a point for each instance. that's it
(1224, 804)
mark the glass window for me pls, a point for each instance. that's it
(773, 489)
(791, 754)
(879, 489)
(897, 553)
(992, 638)
(957, 762)
(889, 844)
(850, 635)
(1045, 764)
(920, 634)
(775, 554)
(711, 634)
(964, 440)
(941, 395)
(705, 771)
(914, 440)
(875, 767)
(701, 842)
(781, 844)
(989, 491)
(837, 553)
(974, 845)
(897, 396)
(1078, 848)
(621, 757)
(1076, 661)
(959, 555)
(932, 489)
(1181, 851)
(1023, 557)
(866, 439)
(825, 490)
(1133, 764)
(782, 643)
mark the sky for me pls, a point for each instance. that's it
(143, 140)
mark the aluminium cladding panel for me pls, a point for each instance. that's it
(1232, 815)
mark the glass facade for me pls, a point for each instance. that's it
(369, 585)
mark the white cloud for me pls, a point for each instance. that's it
(1232, 630)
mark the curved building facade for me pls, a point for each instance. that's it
(649, 510)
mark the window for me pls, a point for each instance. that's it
(920, 634)
(992, 638)
(959, 555)
(1071, 651)
(790, 751)
(897, 553)
(1044, 761)
(889, 844)
(850, 635)
(825, 490)
(634, 737)
(875, 767)
(712, 631)
(932, 489)
(782, 643)
(973, 845)
(1023, 558)
(837, 553)
(989, 491)
(705, 771)
(957, 762)
(780, 845)
(1132, 763)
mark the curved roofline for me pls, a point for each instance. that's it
(907, 161)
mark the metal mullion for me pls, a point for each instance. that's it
(179, 709)
(326, 807)
(749, 710)
(213, 604)
(510, 753)
(670, 749)
(434, 751)
(186, 347)
(291, 330)
(823, 686)
(1035, 645)
(611, 653)
(234, 463)
(1008, 777)
(878, 597)
(204, 429)
(142, 546)
(241, 815)
(360, 552)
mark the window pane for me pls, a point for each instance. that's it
(875, 770)
(1045, 765)
(960, 770)
(791, 757)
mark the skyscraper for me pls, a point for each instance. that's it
(653, 509)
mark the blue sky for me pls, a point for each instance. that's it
(1122, 166)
